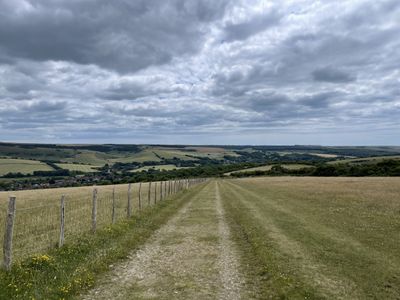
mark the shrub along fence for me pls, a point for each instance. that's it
(35, 223)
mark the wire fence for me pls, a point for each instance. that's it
(38, 220)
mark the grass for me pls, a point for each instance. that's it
(35, 152)
(297, 237)
(269, 167)
(171, 153)
(317, 237)
(78, 167)
(88, 157)
(23, 166)
(324, 155)
(157, 167)
(367, 160)
(37, 216)
(142, 156)
(64, 273)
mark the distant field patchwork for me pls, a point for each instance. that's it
(78, 167)
(157, 167)
(365, 160)
(268, 167)
(23, 166)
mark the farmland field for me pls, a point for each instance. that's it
(78, 167)
(254, 238)
(156, 167)
(307, 238)
(319, 237)
(142, 156)
(269, 167)
(24, 166)
(37, 217)
(367, 160)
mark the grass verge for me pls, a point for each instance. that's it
(64, 273)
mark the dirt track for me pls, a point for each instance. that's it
(191, 257)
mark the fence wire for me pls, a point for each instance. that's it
(38, 212)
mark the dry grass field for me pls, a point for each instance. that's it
(24, 166)
(255, 238)
(366, 160)
(333, 238)
(78, 167)
(157, 167)
(38, 213)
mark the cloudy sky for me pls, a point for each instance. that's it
(200, 71)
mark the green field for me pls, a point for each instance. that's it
(175, 153)
(87, 157)
(186, 155)
(156, 167)
(142, 156)
(366, 160)
(78, 167)
(269, 167)
(23, 166)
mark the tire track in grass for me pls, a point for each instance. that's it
(314, 273)
(346, 242)
(228, 260)
(342, 249)
(190, 257)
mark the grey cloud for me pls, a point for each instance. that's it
(141, 70)
(244, 30)
(330, 74)
(266, 102)
(321, 100)
(119, 35)
(47, 106)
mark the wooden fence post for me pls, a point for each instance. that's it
(8, 234)
(140, 196)
(62, 221)
(149, 194)
(155, 192)
(161, 190)
(113, 206)
(129, 208)
(94, 210)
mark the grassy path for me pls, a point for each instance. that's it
(270, 238)
(191, 257)
(304, 252)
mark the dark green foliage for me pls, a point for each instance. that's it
(385, 168)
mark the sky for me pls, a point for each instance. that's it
(200, 72)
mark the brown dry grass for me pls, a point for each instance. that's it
(335, 238)
(38, 213)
